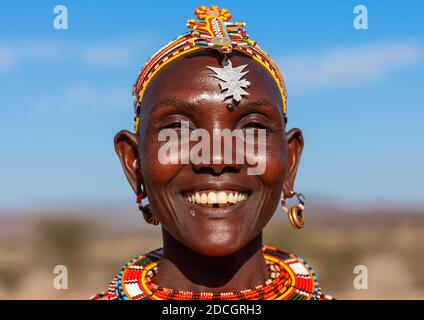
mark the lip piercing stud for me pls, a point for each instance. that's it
(192, 213)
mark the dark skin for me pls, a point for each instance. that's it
(217, 249)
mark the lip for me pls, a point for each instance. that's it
(229, 211)
(216, 187)
(215, 212)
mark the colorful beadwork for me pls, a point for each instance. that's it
(212, 30)
(290, 278)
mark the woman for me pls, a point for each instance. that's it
(212, 205)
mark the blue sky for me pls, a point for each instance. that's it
(357, 95)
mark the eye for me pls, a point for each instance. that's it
(174, 125)
(255, 124)
(256, 121)
(177, 123)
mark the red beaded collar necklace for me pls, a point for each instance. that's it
(290, 278)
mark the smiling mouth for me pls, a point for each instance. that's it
(216, 199)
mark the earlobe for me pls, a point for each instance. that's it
(126, 148)
(295, 147)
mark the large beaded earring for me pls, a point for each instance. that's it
(146, 210)
(295, 213)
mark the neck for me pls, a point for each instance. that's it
(184, 269)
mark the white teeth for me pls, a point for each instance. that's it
(197, 197)
(221, 198)
(203, 198)
(212, 198)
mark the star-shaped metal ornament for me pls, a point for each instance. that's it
(231, 79)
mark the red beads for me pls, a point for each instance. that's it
(289, 278)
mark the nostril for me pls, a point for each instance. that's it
(215, 170)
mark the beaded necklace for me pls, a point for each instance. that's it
(290, 278)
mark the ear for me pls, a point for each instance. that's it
(295, 147)
(126, 147)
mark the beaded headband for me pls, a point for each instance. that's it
(212, 30)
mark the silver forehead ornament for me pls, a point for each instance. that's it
(231, 81)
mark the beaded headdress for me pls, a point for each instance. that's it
(212, 29)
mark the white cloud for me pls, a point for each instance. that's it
(106, 56)
(117, 53)
(113, 53)
(351, 65)
(75, 97)
(86, 94)
(7, 60)
(329, 68)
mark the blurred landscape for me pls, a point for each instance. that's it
(94, 241)
(356, 94)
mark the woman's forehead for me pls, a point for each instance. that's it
(189, 79)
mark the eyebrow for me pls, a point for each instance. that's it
(251, 105)
(187, 107)
(181, 105)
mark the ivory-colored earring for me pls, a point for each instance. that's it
(295, 213)
(147, 211)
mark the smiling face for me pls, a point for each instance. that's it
(213, 209)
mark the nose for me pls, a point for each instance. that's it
(218, 158)
(216, 166)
